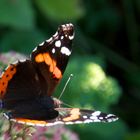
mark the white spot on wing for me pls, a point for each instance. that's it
(35, 48)
(22, 60)
(69, 123)
(109, 115)
(21, 122)
(16, 62)
(41, 44)
(71, 37)
(96, 113)
(85, 117)
(115, 119)
(62, 37)
(96, 120)
(78, 122)
(53, 50)
(109, 119)
(100, 118)
(42, 125)
(93, 117)
(50, 39)
(55, 34)
(70, 24)
(65, 51)
(88, 121)
(58, 122)
(63, 26)
(58, 43)
(49, 124)
(67, 24)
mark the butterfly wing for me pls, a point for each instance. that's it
(76, 115)
(19, 82)
(33, 81)
(47, 65)
(71, 116)
(50, 57)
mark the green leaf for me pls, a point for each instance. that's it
(16, 14)
(60, 9)
(21, 41)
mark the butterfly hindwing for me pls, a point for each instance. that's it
(21, 83)
(76, 115)
(71, 116)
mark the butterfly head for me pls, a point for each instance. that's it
(57, 103)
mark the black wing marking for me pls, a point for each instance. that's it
(24, 84)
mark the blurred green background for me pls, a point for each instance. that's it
(105, 60)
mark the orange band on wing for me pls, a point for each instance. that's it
(28, 121)
(57, 73)
(6, 77)
(39, 58)
(45, 57)
(74, 115)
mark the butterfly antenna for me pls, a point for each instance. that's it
(65, 86)
(67, 105)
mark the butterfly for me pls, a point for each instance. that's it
(27, 86)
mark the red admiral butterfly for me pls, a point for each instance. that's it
(26, 87)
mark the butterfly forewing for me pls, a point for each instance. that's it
(51, 56)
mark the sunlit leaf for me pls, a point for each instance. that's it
(90, 86)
